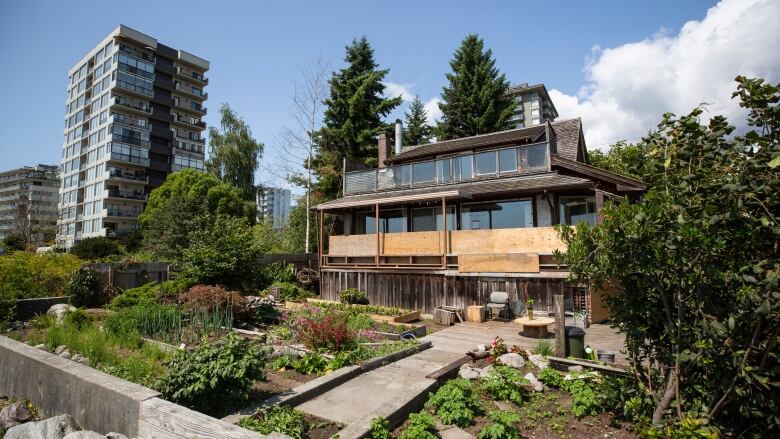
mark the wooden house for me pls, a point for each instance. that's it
(448, 223)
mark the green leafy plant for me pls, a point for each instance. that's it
(421, 426)
(279, 419)
(96, 248)
(147, 319)
(504, 384)
(325, 331)
(544, 348)
(380, 428)
(31, 275)
(353, 296)
(291, 291)
(455, 403)
(550, 377)
(311, 363)
(7, 305)
(585, 398)
(77, 318)
(84, 289)
(213, 375)
(504, 426)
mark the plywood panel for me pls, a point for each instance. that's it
(413, 243)
(353, 245)
(598, 309)
(539, 240)
(499, 263)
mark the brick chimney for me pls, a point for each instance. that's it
(383, 145)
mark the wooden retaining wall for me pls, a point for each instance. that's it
(425, 291)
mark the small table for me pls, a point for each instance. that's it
(536, 328)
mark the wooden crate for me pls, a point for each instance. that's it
(475, 313)
(443, 317)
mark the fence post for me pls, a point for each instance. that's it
(560, 324)
(111, 274)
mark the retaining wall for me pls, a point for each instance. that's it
(29, 308)
(99, 401)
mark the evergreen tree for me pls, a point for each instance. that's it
(475, 101)
(234, 154)
(353, 117)
(417, 130)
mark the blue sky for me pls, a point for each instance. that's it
(257, 48)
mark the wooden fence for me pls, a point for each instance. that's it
(132, 276)
(300, 260)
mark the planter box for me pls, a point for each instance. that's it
(417, 332)
(408, 317)
(29, 308)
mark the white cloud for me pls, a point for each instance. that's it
(393, 89)
(629, 87)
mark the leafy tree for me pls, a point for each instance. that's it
(622, 158)
(697, 261)
(475, 101)
(174, 208)
(417, 131)
(294, 232)
(266, 238)
(353, 117)
(234, 153)
(221, 251)
(96, 248)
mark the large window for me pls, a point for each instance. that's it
(533, 158)
(507, 160)
(464, 167)
(497, 215)
(486, 163)
(423, 172)
(390, 221)
(444, 170)
(578, 209)
(428, 219)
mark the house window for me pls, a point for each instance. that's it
(486, 163)
(535, 113)
(497, 215)
(507, 160)
(463, 167)
(535, 121)
(390, 221)
(533, 158)
(535, 103)
(423, 172)
(578, 209)
(444, 170)
(428, 219)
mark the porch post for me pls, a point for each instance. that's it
(320, 240)
(376, 207)
(560, 322)
(444, 227)
(599, 206)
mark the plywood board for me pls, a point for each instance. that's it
(413, 243)
(539, 240)
(499, 263)
(598, 309)
(353, 245)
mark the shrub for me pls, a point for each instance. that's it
(211, 298)
(353, 296)
(503, 383)
(7, 305)
(455, 403)
(280, 419)
(268, 274)
(380, 428)
(96, 248)
(321, 331)
(14, 243)
(292, 292)
(544, 348)
(32, 275)
(550, 377)
(77, 318)
(585, 399)
(213, 375)
(135, 296)
(421, 426)
(504, 426)
(84, 289)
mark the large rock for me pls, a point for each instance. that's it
(535, 384)
(52, 428)
(485, 371)
(60, 349)
(14, 414)
(512, 360)
(468, 372)
(84, 435)
(59, 310)
(538, 360)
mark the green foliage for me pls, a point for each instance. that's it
(504, 384)
(289, 291)
(380, 428)
(148, 319)
(311, 363)
(213, 375)
(221, 252)
(280, 419)
(504, 426)
(363, 309)
(474, 102)
(421, 426)
(96, 248)
(77, 318)
(622, 158)
(544, 347)
(550, 377)
(14, 243)
(685, 428)
(586, 398)
(455, 402)
(324, 331)
(31, 275)
(353, 296)
(7, 305)
(175, 210)
(43, 321)
(698, 255)
(165, 292)
(84, 289)
(353, 118)
(416, 128)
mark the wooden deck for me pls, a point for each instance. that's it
(464, 337)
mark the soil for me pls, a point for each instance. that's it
(278, 382)
(320, 428)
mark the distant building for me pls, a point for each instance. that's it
(133, 115)
(28, 202)
(273, 204)
(534, 106)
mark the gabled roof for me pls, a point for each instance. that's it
(567, 142)
(622, 183)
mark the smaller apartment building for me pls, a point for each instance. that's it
(534, 106)
(273, 205)
(28, 202)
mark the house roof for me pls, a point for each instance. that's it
(461, 190)
(622, 183)
(567, 134)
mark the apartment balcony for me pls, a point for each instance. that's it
(193, 76)
(125, 104)
(118, 233)
(134, 124)
(134, 89)
(115, 156)
(197, 146)
(197, 108)
(187, 90)
(137, 195)
(189, 121)
(130, 140)
(118, 175)
(121, 212)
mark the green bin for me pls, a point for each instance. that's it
(575, 342)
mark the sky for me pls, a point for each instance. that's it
(618, 65)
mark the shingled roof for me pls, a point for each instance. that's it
(566, 133)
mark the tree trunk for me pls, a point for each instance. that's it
(669, 395)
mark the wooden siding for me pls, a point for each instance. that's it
(540, 240)
(425, 291)
(499, 263)
(353, 245)
(412, 243)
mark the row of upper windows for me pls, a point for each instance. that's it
(104, 52)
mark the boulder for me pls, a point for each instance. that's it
(52, 428)
(468, 372)
(59, 310)
(575, 368)
(84, 435)
(485, 371)
(14, 414)
(535, 384)
(538, 360)
(60, 349)
(65, 354)
(512, 360)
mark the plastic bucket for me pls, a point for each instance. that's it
(606, 356)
